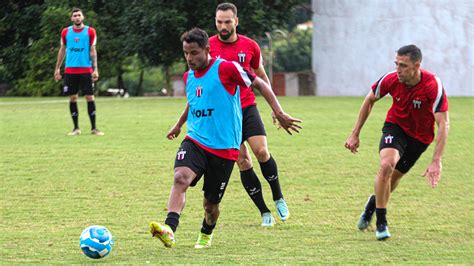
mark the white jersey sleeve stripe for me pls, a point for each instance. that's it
(377, 89)
(243, 74)
(440, 93)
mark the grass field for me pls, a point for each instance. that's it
(53, 186)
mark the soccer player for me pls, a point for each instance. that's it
(229, 45)
(211, 145)
(419, 100)
(78, 46)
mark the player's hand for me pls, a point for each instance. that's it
(174, 132)
(433, 173)
(274, 118)
(57, 75)
(95, 75)
(352, 143)
(287, 122)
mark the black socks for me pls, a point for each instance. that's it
(172, 220)
(270, 173)
(91, 111)
(254, 189)
(74, 113)
(370, 207)
(381, 216)
(207, 229)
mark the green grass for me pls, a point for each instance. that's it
(53, 186)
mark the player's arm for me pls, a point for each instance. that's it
(93, 53)
(59, 62)
(95, 67)
(260, 72)
(433, 172)
(176, 129)
(352, 142)
(285, 121)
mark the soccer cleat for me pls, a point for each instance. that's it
(163, 233)
(74, 132)
(282, 209)
(267, 219)
(364, 220)
(97, 132)
(382, 232)
(365, 217)
(204, 240)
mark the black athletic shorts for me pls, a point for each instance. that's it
(252, 124)
(75, 82)
(409, 148)
(216, 170)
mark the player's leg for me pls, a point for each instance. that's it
(252, 185)
(388, 160)
(88, 90)
(369, 208)
(189, 166)
(269, 168)
(71, 88)
(392, 146)
(216, 179)
(256, 137)
(248, 177)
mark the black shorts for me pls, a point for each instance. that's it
(75, 82)
(252, 124)
(216, 170)
(409, 148)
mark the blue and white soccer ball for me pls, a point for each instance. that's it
(96, 242)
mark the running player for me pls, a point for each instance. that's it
(211, 145)
(229, 45)
(419, 100)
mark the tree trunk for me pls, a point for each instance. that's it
(169, 87)
(140, 84)
(120, 83)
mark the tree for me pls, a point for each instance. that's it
(42, 56)
(16, 41)
(293, 53)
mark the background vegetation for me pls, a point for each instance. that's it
(138, 41)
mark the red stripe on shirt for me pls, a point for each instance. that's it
(229, 154)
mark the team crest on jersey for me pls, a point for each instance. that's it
(180, 155)
(417, 104)
(76, 39)
(199, 91)
(389, 139)
(241, 56)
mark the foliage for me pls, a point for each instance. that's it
(17, 31)
(147, 29)
(293, 53)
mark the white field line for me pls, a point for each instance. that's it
(80, 100)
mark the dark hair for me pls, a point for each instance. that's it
(196, 35)
(76, 9)
(412, 51)
(227, 6)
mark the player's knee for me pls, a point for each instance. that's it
(181, 179)
(90, 98)
(262, 154)
(211, 208)
(73, 98)
(386, 168)
(244, 163)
